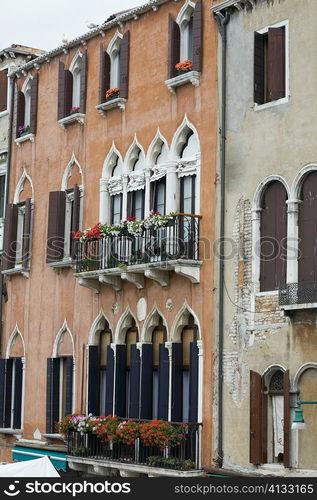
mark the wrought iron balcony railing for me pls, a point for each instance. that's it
(298, 293)
(178, 240)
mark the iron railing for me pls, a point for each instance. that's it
(178, 240)
(298, 293)
(185, 456)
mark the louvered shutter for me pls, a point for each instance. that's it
(20, 109)
(3, 89)
(69, 385)
(75, 219)
(120, 383)
(10, 236)
(61, 91)
(130, 204)
(8, 393)
(2, 390)
(14, 111)
(259, 68)
(258, 420)
(146, 382)
(56, 226)
(83, 83)
(34, 99)
(52, 394)
(68, 103)
(173, 47)
(287, 421)
(177, 382)
(26, 234)
(104, 74)
(124, 65)
(276, 63)
(197, 36)
(134, 392)
(109, 381)
(163, 383)
(18, 384)
(193, 383)
(93, 380)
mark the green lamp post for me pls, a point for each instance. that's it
(299, 422)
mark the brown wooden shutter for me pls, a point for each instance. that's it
(259, 66)
(307, 230)
(276, 63)
(104, 74)
(83, 83)
(124, 65)
(52, 394)
(287, 421)
(61, 91)
(174, 38)
(75, 218)
(33, 111)
(26, 234)
(56, 226)
(197, 36)
(20, 111)
(10, 236)
(256, 418)
(68, 92)
(3, 89)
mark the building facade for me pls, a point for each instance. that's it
(106, 130)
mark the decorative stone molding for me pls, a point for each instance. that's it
(159, 171)
(136, 181)
(75, 117)
(113, 281)
(134, 278)
(118, 102)
(115, 308)
(115, 185)
(192, 77)
(16, 270)
(24, 138)
(169, 305)
(162, 277)
(191, 272)
(186, 167)
(90, 283)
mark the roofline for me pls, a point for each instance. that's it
(21, 51)
(232, 4)
(99, 30)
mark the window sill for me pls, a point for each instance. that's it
(119, 102)
(4, 113)
(271, 104)
(54, 436)
(76, 117)
(24, 138)
(264, 294)
(13, 432)
(192, 77)
(16, 270)
(63, 263)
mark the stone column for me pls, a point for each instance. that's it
(292, 241)
(125, 180)
(147, 193)
(104, 202)
(172, 188)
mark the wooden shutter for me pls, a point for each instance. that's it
(18, 384)
(69, 385)
(259, 68)
(197, 36)
(130, 197)
(163, 383)
(193, 382)
(68, 103)
(3, 89)
(56, 226)
(26, 234)
(20, 111)
(287, 420)
(2, 392)
(307, 231)
(83, 83)
(61, 91)
(276, 63)
(75, 219)
(93, 380)
(177, 382)
(52, 394)
(104, 74)
(8, 393)
(146, 382)
(258, 420)
(109, 381)
(134, 393)
(124, 65)
(174, 38)
(14, 111)
(10, 236)
(120, 384)
(34, 99)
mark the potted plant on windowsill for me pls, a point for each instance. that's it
(23, 130)
(184, 66)
(112, 94)
(74, 110)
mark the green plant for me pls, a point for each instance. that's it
(81, 451)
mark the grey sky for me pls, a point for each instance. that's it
(43, 24)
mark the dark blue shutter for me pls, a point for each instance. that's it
(120, 396)
(134, 393)
(109, 381)
(146, 382)
(18, 383)
(177, 382)
(52, 394)
(193, 383)
(8, 393)
(163, 383)
(93, 380)
(2, 386)
(69, 385)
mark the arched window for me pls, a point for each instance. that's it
(114, 53)
(158, 179)
(307, 230)
(273, 233)
(26, 108)
(185, 23)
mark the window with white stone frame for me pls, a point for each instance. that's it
(185, 23)
(113, 50)
(75, 69)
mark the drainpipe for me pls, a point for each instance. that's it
(222, 21)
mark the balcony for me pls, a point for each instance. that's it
(87, 453)
(298, 296)
(152, 254)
